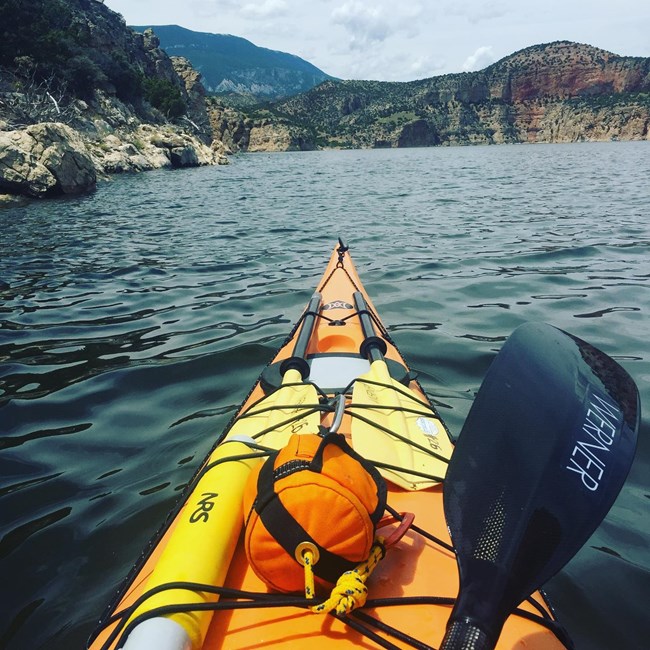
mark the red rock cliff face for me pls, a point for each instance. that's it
(562, 70)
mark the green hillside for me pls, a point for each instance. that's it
(233, 64)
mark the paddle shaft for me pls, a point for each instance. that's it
(372, 347)
(297, 360)
(464, 635)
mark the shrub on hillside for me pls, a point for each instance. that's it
(164, 96)
(44, 41)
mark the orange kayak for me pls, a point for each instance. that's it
(339, 373)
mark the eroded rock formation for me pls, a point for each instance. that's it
(45, 159)
(54, 141)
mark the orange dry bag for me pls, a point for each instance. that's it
(315, 491)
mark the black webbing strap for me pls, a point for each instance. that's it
(341, 442)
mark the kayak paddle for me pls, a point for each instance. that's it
(544, 452)
(276, 415)
(400, 429)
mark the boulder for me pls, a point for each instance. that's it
(20, 171)
(151, 147)
(45, 159)
(184, 157)
(182, 149)
(126, 158)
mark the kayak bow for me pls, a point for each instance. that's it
(338, 370)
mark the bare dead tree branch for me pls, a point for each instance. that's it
(25, 100)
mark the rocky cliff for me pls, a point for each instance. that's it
(564, 69)
(106, 99)
(557, 92)
(256, 130)
(45, 159)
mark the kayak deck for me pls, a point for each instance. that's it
(412, 590)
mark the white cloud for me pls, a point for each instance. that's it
(388, 65)
(482, 58)
(489, 11)
(210, 8)
(476, 13)
(423, 67)
(365, 24)
(266, 9)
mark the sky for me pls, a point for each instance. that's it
(403, 40)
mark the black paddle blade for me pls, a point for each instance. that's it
(544, 452)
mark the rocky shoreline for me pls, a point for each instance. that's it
(54, 144)
(51, 159)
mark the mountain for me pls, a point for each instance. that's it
(554, 92)
(230, 64)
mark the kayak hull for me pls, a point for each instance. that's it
(411, 591)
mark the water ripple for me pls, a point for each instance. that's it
(6, 442)
(134, 320)
(14, 538)
(601, 312)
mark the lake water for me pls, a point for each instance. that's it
(134, 321)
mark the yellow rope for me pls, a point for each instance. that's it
(350, 591)
(308, 559)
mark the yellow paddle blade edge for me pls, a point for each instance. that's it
(392, 426)
(292, 408)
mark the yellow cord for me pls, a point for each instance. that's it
(308, 559)
(350, 591)
(307, 554)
